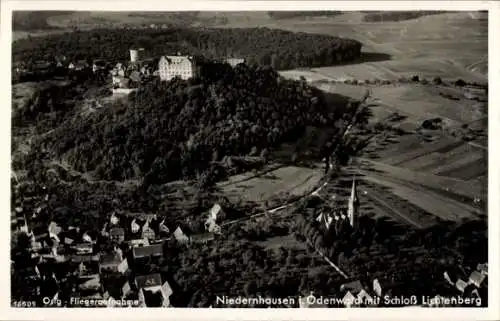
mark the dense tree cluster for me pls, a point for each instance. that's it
(175, 130)
(281, 49)
(415, 259)
(205, 271)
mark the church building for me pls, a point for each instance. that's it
(353, 206)
(339, 217)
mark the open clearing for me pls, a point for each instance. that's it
(292, 180)
(425, 198)
(276, 242)
(444, 157)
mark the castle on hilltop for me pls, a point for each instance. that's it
(184, 67)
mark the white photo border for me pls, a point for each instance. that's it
(490, 313)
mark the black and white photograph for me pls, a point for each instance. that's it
(249, 159)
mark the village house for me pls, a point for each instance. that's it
(184, 67)
(233, 62)
(89, 267)
(126, 290)
(121, 82)
(461, 285)
(135, 77)
(20, 67)
(483, 268)
(163, 230)
(180, 236)
(152, 291)
(147, 232)
(35, 245)
(117, 234)
(476, 278)
(155, 250)
(84, 258)
(138, 243)
(99, 65)
(110, 263)
(80, 65)
(357, 295)
(215, 215)
(148, 67)
(83, 248)
(377, 287)
(118, 70)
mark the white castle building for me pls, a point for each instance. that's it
(184, 67)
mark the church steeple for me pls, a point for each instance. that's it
(352, 211)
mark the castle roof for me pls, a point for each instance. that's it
(177, 60)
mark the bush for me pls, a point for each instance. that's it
(437, 81)
(415, 78)
(460, 83)
(403, 80)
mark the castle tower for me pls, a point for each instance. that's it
(133, 55)
(352, 211)
(136, 55)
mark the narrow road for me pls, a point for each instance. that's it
(328, 260)
(478, 146)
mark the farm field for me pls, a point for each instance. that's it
(463, 188)
(404, 199)
(416, 102)
(292, 180)
(426, 199)
(429, 46)
(443, 157)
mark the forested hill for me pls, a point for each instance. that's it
(173, 130)
(263, 46)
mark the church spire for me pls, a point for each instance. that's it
(353, 206)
